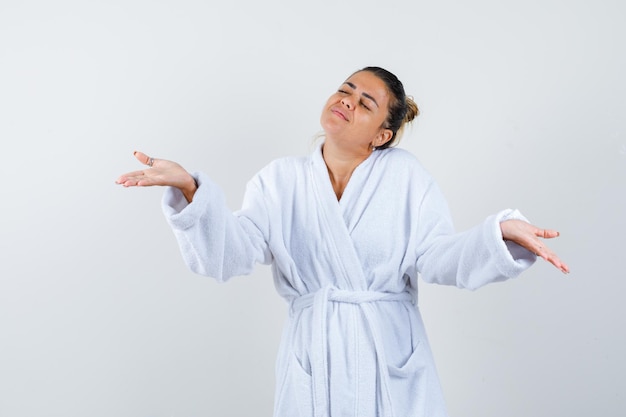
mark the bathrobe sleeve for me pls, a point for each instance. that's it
(470, 259)
(213, 240)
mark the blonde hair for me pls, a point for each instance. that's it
(412, 112)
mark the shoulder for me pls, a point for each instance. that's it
(403, 162)
(288, 164)
(399, 155)
(281, 172)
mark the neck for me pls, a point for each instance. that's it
(341, 163)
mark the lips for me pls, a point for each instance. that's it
(339, 113)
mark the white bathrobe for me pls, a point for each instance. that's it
(355, 343)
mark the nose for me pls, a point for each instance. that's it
(348, 102)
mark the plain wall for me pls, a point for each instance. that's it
(522, 106)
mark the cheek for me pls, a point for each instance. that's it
(327, 105)
(370, 122)
(332, 100)
(325, 119)
(325, 114)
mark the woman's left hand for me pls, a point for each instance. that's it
(528, 236)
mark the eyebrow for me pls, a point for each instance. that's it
(368, 96)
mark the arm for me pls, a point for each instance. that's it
(473, 258)
(214, 241)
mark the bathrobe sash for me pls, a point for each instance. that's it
(319, 342)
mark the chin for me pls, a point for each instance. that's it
(330, 124)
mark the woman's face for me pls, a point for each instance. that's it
(356, 113)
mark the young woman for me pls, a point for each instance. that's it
(347, 230)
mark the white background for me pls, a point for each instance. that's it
(522, 106)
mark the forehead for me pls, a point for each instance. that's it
(367, 82)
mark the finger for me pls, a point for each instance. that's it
(547, 233)
(141, 181)
(131, 182)
(551, 257)
(131, 175)
(142, 157)
(554, 260)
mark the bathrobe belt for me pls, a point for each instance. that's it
(319, 343)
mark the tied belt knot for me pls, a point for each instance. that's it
(319, 339)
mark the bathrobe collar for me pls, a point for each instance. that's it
(342, 216)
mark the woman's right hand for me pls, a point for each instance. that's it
(160, 172)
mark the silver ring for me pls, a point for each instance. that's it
(151, 162)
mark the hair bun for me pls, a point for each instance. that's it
(412, 111)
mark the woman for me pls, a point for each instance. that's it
(347, 230)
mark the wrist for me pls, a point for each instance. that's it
(190, 189)
(504, 229)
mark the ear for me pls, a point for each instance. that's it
(383, 137)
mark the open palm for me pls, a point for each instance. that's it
(529, 236)
(161, 173)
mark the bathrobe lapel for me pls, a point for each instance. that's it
(341, 217)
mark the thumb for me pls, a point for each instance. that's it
(142, 157)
